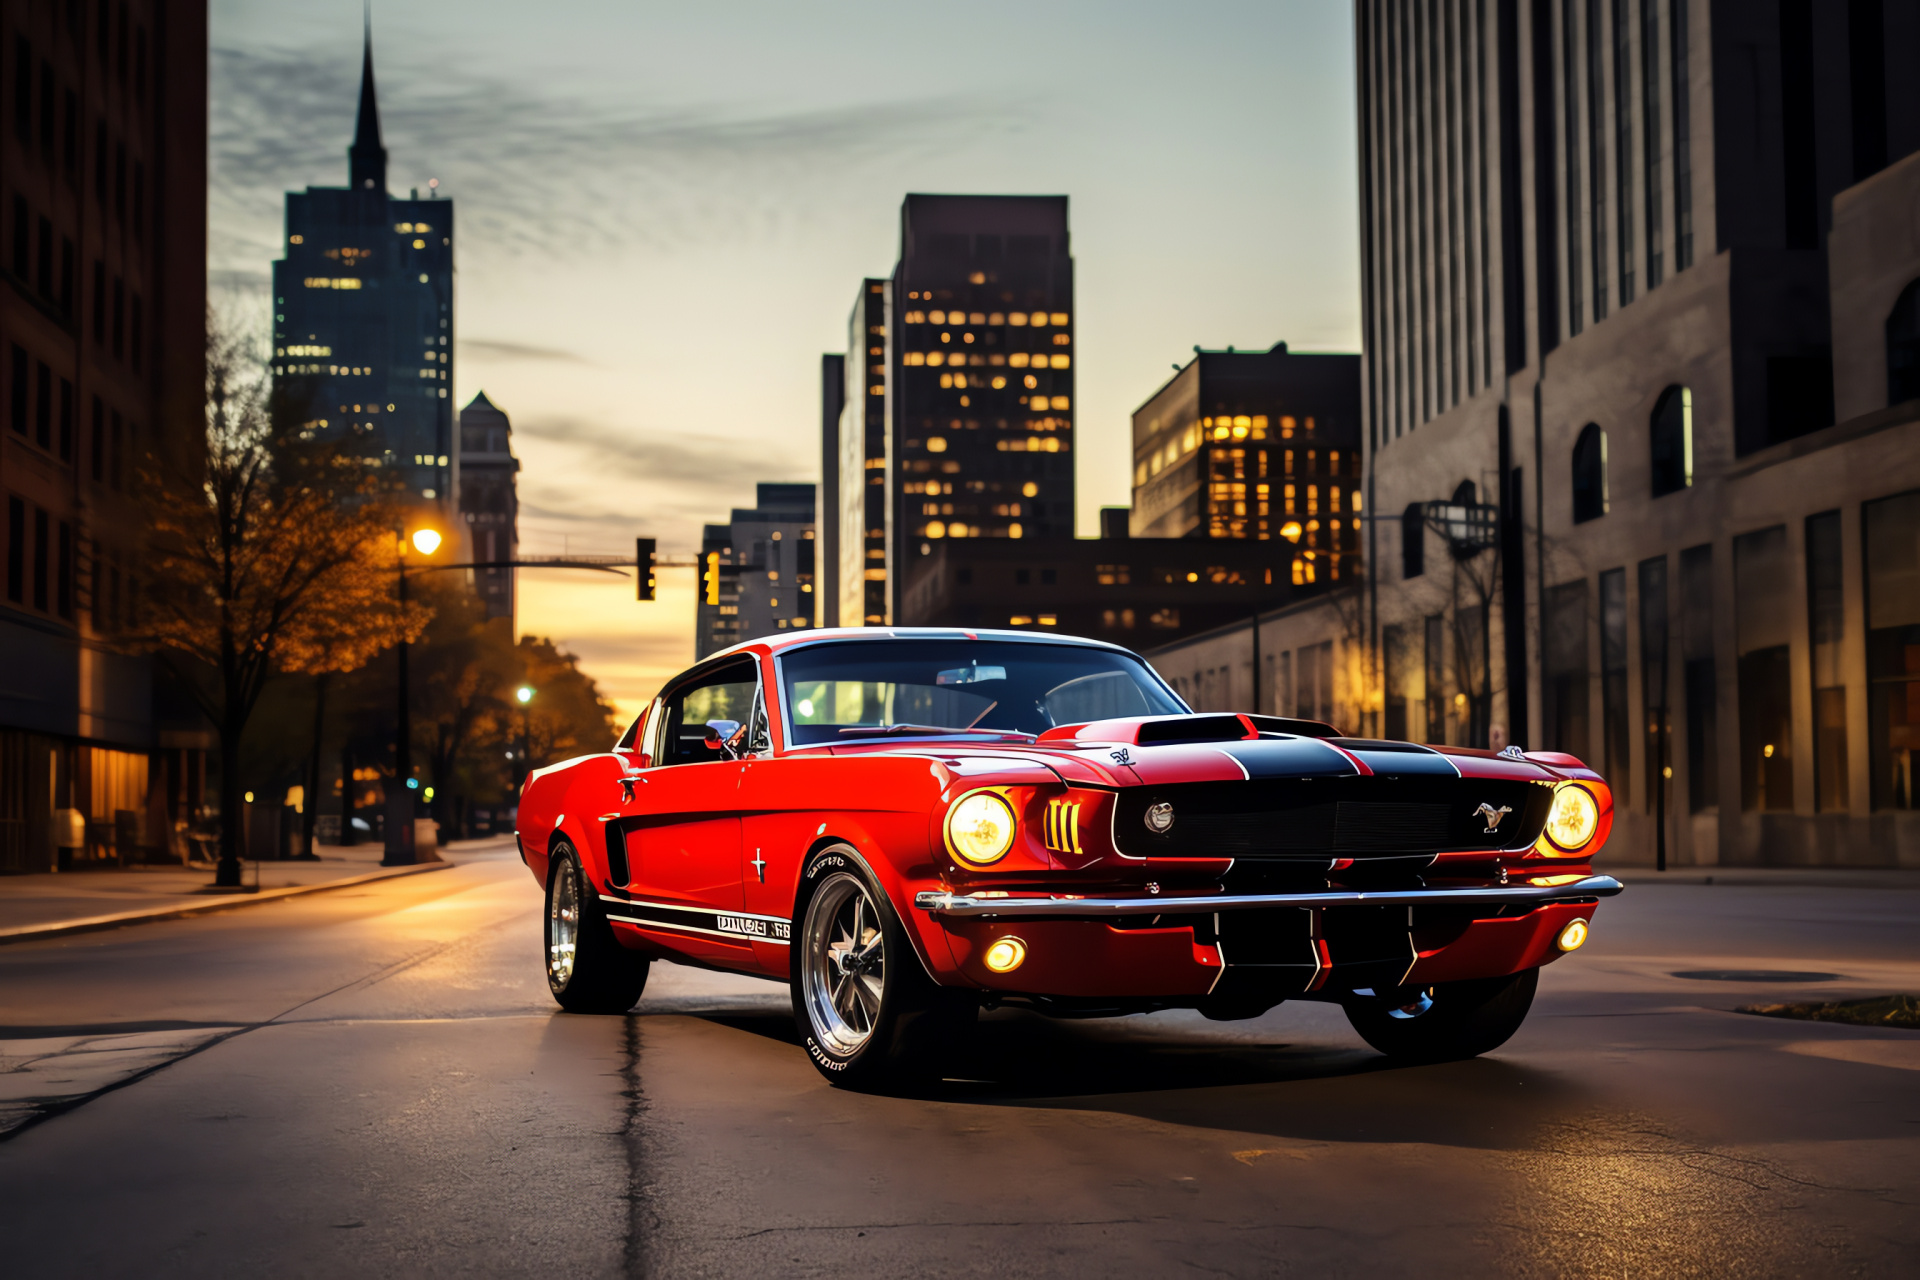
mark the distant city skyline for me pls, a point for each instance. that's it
(659, 237)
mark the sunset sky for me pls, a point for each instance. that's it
(663, 212)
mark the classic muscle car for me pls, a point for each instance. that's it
(909, 825)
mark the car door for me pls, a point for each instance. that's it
(681, 829)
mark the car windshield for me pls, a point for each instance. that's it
(869, 688)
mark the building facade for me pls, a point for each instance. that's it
(757, 570)
(363, 316)
(103, 140)
(1137, 592)
(826, 515)
(1261, 446)
(489, 495)
(1633, 277)
(860, 445)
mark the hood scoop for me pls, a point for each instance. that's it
(1158, 731)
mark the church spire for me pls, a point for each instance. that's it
(366, 158)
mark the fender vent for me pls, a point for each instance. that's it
(617, 870)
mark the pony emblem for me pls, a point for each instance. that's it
(1492, 815)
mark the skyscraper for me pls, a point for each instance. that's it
(980, 350)
(489, 499)
(363, 314)
(826, 523)
(862, 454)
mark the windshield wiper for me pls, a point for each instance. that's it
(897, 730)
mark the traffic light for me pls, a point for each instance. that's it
(711, 578)
(643, 567)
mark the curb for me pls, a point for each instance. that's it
(95, 924)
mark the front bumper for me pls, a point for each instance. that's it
(1182, 947)
(1587, 889)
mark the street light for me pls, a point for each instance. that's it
(400, 804)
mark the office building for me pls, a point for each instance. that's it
(967, 352)
(363, 316)
(103, 188)
(860, 446)
(1261, 446)
(826, 516)
(757, 570)
(1138, 592)
(488, 485)
(1639, 308)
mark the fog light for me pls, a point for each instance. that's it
(1572, 936)
(1005, 955)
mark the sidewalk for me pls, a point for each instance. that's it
(45, 906)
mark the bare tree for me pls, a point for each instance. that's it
(271, 552)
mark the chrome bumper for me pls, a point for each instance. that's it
(951, 904)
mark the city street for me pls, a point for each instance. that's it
(374, 1081)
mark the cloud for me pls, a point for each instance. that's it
(548, 173)
(488, 349)
(608, 484)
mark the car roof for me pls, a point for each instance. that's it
(777, 644)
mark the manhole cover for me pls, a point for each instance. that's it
(1754, 975)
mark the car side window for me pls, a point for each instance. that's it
(728, 694)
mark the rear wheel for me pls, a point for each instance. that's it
(588, 970)
(1447, 1021)
(867, 1012)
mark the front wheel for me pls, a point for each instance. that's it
(588, 970)
(1447, 1021)
(867, 1012)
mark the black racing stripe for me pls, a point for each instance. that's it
(1288, 758)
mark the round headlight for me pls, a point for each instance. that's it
(1574, 818)
(980, 828)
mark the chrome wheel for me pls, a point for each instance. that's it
(844, 969)
(563, 924)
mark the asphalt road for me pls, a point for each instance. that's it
(375, 1082)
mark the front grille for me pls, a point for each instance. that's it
(1329, 817)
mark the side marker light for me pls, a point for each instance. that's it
(1573, 936)
(1005, 955)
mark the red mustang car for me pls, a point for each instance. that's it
(910, 825)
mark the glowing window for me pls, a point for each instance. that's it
(1038, 318)
(1059, 362)
(1018, 319)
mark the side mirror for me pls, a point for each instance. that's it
(721, 735)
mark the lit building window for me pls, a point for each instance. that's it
(1019, 361)
(1059, 362)
(1018, 319)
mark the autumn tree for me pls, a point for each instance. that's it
(568, 716)
(271, 552)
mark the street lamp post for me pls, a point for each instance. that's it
(524, 695)
(399, 833)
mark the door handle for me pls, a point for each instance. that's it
(626, 786)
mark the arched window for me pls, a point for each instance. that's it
(1670, 432)
(1903, 347)
(1413, 541)
(1590, 474)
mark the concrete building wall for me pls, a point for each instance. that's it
(1689, 248)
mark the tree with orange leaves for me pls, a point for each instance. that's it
(272, 551)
